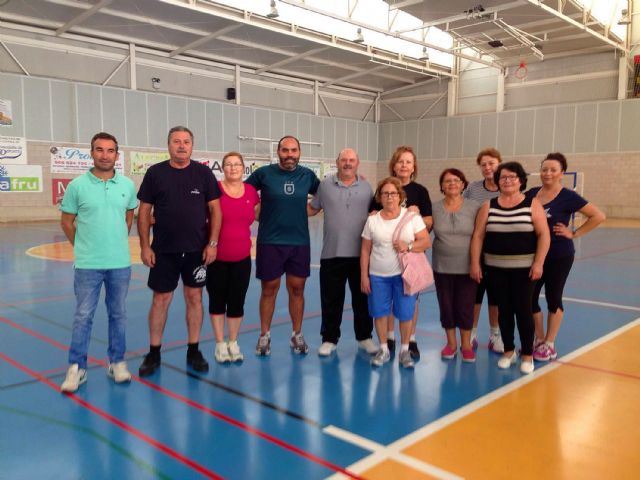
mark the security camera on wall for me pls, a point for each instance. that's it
(155, 83)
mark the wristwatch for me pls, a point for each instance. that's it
(213, 243)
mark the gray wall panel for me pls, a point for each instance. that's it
(177, 114)
(11, 89)
(372, 138)
(215, 126)
(38, 109)
(425, 131)
(247, 129)
(316, 135)
(329, 137)
(362, 144)
(113, 113)
(352, 134)
(455, 137)
(629, 135)
(506, 132)
(411, 134)
(524, 132)
(89, 111)
(63, 104)
(231, 128)
(158, 126)
(470, 146)
(398, 132)
(384, 142)
(564, 128)
(341, 134)
(586, 128)
(197, 121)
(488, 130)
(304, 130)
(543, 132)
(136, 111)
(291, 124)
(608, 127)
(439, 148)
(277, 128)
(263, 131)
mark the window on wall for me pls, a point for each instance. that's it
(374, 13)
(608, 13)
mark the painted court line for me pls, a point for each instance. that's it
(394, 450)
(117, 422)
(602, 304)
(191, 403)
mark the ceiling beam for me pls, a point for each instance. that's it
(403, 3)
(83, 16)
(293, 58)
(464, 16)
(353, 75)
(205, 39)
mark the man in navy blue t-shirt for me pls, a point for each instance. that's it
(184, 197)
(283, 245)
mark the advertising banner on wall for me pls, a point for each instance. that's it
(76, 160)
(20, 178)
(139, 162)
(6, 117)
(58, 187)
(13, 150)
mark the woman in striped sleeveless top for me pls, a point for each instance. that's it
(512, 235)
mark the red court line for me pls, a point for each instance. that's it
(117, 422)
(607, 252)
(187, 401)
(598, 369)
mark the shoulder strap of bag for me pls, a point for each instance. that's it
(403, 221)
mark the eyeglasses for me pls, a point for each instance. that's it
(232, 165)
(452, 181)
(508, 178)
(389, 194)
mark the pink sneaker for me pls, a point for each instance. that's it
(447, 352)
(545, 352)
(468, 356)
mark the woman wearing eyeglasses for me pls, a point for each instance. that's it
(512, 236)
(380, 271)
(453, 221)
(228, 277)
(403, 166)
(559, 204)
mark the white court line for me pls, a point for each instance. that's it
(602, 304)
(394, 450)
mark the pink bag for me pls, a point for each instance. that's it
(417, 274)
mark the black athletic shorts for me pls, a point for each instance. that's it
(170, 267)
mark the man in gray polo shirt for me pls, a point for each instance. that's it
(345, 198)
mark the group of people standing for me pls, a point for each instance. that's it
(202, 235)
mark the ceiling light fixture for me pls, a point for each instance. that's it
(273, 11)
(425, 55)
(625, 19)
(495, 43)
(359, 38)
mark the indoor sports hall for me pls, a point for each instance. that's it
(448, 78)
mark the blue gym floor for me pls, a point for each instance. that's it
(283, 416)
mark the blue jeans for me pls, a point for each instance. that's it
(87, 284)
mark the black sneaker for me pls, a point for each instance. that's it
(149, 365)
(413, 350)
(391, 343)
(197, 362)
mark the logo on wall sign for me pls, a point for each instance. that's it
(289, 188)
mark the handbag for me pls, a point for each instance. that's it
(417, 274)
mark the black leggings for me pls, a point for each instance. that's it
(513, 290)
(554, 277)
(227, 284)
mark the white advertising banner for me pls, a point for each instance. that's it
(20, 178)
(6, 117)
(13, 150)
(76, 160)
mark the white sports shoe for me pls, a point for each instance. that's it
(496, 344)
(234, 352)
(119, 372)
(507, 360)
(75, 377)
(222, 353)
(326, 349)
(368, 346)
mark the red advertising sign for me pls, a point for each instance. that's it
(58, 187)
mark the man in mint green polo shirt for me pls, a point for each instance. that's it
(97, 213)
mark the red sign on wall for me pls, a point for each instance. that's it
(58, 187)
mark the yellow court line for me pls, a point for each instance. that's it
(559, 422)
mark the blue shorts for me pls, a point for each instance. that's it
(274, 260)
(388, 293)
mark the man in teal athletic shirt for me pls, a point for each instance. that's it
(283, 244)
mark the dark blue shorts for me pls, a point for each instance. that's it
(274, 260)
